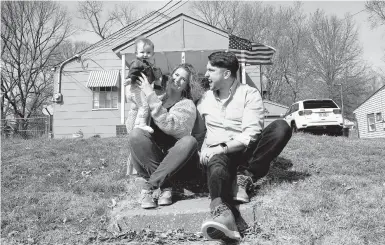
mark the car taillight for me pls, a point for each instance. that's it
(305, 112)
(337, 111)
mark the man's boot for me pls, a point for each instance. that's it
(222, 224)
(243, 183)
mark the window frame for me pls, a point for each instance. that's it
(108, 94)
(295, 107)
(372, 117)
(289, 111)
(379, 117)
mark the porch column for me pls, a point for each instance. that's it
(122, 90)
(183, 57)
(260, 80)
(243, 67)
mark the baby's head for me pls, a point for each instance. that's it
(144, 49)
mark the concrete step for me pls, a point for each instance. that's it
(187, 214)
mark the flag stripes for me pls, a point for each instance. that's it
(250, 52)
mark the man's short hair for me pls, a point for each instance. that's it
(145, 41)
(225, 60)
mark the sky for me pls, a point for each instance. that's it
(372, 40)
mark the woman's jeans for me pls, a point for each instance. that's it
(158, 164)
(254, 161)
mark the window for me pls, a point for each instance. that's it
(295, 107)
(371, 123)
(104, 86)
(378, 117)
(104, 97)
(288, 112)
(315, 104)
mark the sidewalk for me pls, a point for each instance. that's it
(186, 214)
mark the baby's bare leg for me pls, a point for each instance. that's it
(143, 112)
(132, 113)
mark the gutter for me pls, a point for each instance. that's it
(58, 97)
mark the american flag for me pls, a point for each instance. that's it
(249, 52)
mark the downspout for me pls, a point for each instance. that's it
(58, 97)
(122, 91)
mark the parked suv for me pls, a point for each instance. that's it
(317, 115)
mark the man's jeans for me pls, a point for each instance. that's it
(158, 165)
(253, 161)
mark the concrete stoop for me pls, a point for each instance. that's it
(184, 214)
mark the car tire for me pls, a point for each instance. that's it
(294, 127)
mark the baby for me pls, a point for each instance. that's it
(139, 111)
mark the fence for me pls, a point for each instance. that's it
(26, 128)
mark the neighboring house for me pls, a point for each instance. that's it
(88, 90)
(273, 111)
(370, 116)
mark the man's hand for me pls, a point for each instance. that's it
(208, 153)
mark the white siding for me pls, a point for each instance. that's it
(75, 113)
(273, 111)
(253, 76)
(374, 104)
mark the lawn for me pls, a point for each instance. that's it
(321, 190)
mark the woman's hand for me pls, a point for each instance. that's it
(144, 85)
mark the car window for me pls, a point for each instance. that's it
(288, 112)
(295, 107)
(291, 110)
(315, 104)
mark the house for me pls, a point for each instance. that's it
(273, 111)
(88, 89)
(370, 116)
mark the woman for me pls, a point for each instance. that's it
(159, 156)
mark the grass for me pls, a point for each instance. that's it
(321, 190)
(55, 189)
(333, 194)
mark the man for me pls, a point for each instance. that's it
(235, 145)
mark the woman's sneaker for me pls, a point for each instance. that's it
(146, 199)
(165, 197)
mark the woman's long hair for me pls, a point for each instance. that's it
(194, 89)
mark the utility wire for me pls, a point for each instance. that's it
(139, 25)
(356, 13)
(130, 26)
(170, 13)
(137, 22)
(157, 14)
(130, 30)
